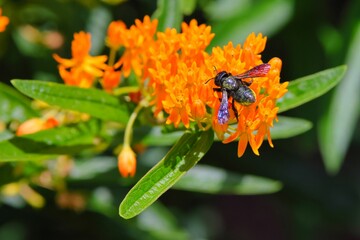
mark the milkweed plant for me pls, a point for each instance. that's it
(153, 88)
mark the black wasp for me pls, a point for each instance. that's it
(235, 87)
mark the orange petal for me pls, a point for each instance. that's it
(243, 141)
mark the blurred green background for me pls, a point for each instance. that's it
(319, 170)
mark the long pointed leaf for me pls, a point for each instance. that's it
(337, 126)
(48, 143)
(288, 127)
(190, 148)
(92, 101)
(225, 182)
(307, 88)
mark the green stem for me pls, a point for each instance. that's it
(129, 126)
(112, 56)
(125, 90)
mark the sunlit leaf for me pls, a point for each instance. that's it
(288, 127)
(190, 148)
(208, 179)
(338, 124)
(307, 88)
(92, 101)
(49, 143)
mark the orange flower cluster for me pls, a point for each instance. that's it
(4, 21)
(173, 71)
(82, 69)
(173, 68)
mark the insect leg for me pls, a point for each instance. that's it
(234, 109)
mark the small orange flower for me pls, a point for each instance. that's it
(194, 40)
(115, 35)
(36, 124)
(127, 162)
(4, 21)
(111, 79)
(82, 69)
(137, 42)
(76, 77)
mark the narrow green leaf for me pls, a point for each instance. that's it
(190, 148)
(14, 105)
(338, 124)
(169, 14)
(258, 18)
(48, 143)
(208, 179)
(92, 101)
(307, 88)
(288, 127)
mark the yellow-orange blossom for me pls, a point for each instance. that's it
(172, 69)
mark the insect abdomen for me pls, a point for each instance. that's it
(244, 96)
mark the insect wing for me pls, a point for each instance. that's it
(258, 71)
(223, 114)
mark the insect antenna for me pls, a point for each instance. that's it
(209, 80)
(212, 77)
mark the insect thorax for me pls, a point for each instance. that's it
(230, 83)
